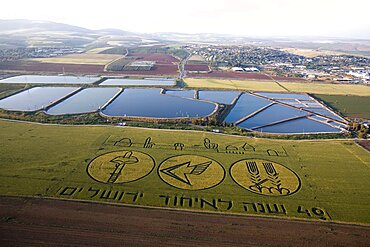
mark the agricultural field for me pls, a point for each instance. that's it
(118, 64)
(37, 219)
(311, 52)
(350, 106)
(318, 52)
(327, 88)
(99, 50)
(164, 64)
(270, 86)
(87, 58)
(80, 69)
(159, 58)
(7, 89)
(196, 58)
(243, 76)
(187, 170)
(197, 64)
(145, 64)
(196, 67)
(233, 75)
(100, 61)
(33, 66)
(158, 70)
(234, 84)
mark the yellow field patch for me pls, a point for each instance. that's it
(271, 86)
(197, 58)
(98, 50)
(87, 58)
(316, 52)
(327, 88)
(311, 52)
(252, 85)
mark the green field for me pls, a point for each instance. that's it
(349, 106)
(7, 89)
(320, 180)
(270, 86)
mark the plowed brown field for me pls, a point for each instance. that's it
(45, 222)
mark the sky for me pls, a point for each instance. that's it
(254, 18)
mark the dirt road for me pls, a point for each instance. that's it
(46, 222)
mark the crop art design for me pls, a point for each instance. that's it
(265, 177)
(120, 167)
(191, 172)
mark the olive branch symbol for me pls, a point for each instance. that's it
(273, 176)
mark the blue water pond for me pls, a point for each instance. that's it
(285, 96)
(222, 97)
(181, 93)
(35, 98)
(299, 126)
(41, 79)
(87, 100)
(139, 82)
(274, 113)
(246, 105)
(149, 103)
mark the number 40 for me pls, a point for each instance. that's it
(314, 212)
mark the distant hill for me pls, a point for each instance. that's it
(112, 31)
(26, 26)
(19, 33)
(32, 33)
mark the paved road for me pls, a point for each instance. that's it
(182, 67)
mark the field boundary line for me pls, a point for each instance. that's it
(358, 144)
(277, 82)
(177, 130)
(367, 164)
(114, 60)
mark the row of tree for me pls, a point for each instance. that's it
(359, 129)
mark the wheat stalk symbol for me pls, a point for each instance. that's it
(255, 176)
(273, 176)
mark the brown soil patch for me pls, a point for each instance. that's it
(245, 75)
(157, 57)
(197, 67)
(46, 222)
(365, 144)
(282, 78)
(159, 69)
(54, 67)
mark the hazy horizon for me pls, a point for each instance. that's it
(253, 18)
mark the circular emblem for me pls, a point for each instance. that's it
(265, 177)
(120, 167)
(191, 172)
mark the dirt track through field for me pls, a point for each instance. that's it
(46, 222)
